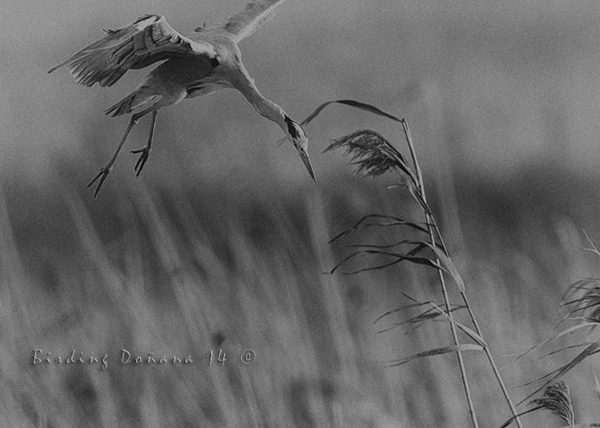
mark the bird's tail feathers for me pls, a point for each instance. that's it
(133, 101)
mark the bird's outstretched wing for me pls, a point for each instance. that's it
(147, 40)
(253, 16)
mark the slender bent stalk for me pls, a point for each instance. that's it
(430, 230)
(431, 225)
(461, 363)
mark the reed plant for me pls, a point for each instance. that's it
(372, 155)
(580, 306)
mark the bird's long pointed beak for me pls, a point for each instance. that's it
(306, 160)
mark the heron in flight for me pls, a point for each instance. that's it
(193, 65)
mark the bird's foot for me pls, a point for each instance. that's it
(100, 177)
(144, 155)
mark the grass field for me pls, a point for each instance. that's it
(220, 252)
(184, 273)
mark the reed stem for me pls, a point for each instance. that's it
(431, 225)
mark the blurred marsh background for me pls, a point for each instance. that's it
(224, 234)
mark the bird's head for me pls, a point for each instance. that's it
(298, 138)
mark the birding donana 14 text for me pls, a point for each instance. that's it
(194, 65)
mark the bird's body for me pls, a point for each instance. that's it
(195, 65)
(187, 76)
(172, 82)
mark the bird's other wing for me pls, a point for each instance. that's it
(147, 40)
(253, 16)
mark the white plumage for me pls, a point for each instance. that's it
(194, 65)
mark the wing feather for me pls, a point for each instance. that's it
(245, 23)
(148, 40)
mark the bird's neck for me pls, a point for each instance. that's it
(267, 108)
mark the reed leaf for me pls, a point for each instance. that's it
(352, 103)
(437, 351)
(394, 221)
(594, 348)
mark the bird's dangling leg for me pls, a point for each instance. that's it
(145, 151)
(101, 176)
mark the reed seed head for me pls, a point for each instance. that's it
(557, 399)
(371, 154)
